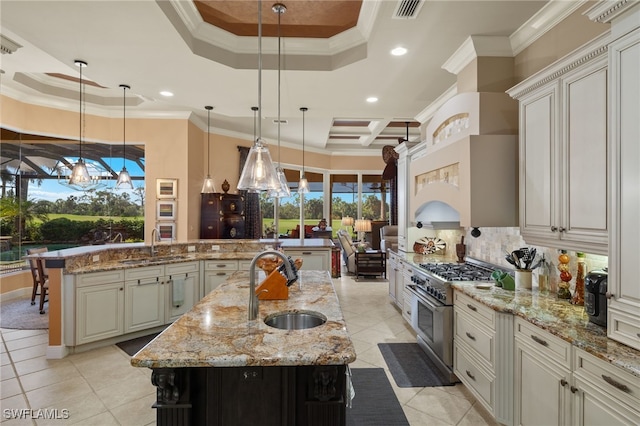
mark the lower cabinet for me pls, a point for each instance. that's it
(392, 269)
(113, 303)
(99, 312)
(312, 260)
(558, 384)
(217, 272)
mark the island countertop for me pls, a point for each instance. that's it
(217, 333)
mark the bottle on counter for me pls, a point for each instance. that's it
(578, 294)
(565, 276)
(543, 276)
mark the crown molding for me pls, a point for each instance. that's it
(547, 17)
(8, 46)
(475, 46)
(606, 11)
(426, 114)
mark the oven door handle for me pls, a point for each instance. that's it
(432, 307)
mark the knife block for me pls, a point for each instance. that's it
(276, 287)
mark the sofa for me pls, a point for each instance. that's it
(389, 238)
(348, 250)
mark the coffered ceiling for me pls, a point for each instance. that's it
(334, 55)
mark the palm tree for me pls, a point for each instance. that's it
(19, 212)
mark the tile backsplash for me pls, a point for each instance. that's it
(493, 243)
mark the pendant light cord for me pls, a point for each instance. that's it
(260, 66)
(81, 115)
(208, 108)
(279, 8)
(303, 109)
(124, 125)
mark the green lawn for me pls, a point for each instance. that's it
(290, 224)
(83, 218)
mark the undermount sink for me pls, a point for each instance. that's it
(154, 259)
(295, 320)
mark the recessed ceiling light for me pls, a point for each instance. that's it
(372, 99)
(398, 51)
(166, 93)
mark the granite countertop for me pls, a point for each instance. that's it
(217, 333)
(107, 257)
(560, 318)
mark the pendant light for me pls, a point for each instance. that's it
(258, 173)
(303, 186)
(283, 190)
(80, 175)
(207, 186)
(124, 179)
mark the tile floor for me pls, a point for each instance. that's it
(99, 387)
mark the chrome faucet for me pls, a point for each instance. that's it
(253, 297)
(155, 236)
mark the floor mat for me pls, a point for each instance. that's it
(375, 403)
(131, 347)
(410, 366)
(20, 314)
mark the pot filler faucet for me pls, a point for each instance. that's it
(253, 297)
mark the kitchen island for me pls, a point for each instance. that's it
(213, 366)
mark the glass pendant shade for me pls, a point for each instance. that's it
(208, 186)
(124, 180)
(259, 173)
(303, 186)
(80, 175)
(283, 191)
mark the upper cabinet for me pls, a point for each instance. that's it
(563, 152)
(623, 322)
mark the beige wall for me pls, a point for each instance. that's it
(174, 149)
(562, 39)
(486, 74)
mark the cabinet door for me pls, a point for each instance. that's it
(593, 407)
(623, 322)
(184, 287)
(541, 387)
(100, 312)
(212, 279)
(312, 260)
(392, 268)
(144, 304)
(538, 153)
(584, 167)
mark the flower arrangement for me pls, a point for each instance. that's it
(269, 231)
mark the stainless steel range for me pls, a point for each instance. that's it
(432, 306)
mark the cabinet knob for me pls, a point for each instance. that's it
(121, 289)
(608, 295)
(562, 229)
(563, 382)
(573, 389)
(554, 228)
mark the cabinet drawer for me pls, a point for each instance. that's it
(408, 304)
(226, 265)
(474, 376)
(182, 268)
(622, 386)
(624, 328)
(243, 265)
(544, 342)
(467, 330)
(479, 312)
(96, 278)
(146, 272)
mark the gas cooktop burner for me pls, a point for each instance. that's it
(457, 271)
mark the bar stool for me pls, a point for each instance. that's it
(37, 271)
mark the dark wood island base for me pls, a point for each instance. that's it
(228, 396)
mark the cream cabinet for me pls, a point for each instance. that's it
(479, 362)
(563, 152)
(542, 377)
(312, 259)
(393, 268)
(216, 272)
(623, 322)
(99, 308)
(144, 298)
(182, 289)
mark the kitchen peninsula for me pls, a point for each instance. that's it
(99, 295)
(213, 366)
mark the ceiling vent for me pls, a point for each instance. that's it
(407, 9)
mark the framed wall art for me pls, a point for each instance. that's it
(167, 188)
(167, 231)
(165, 210)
